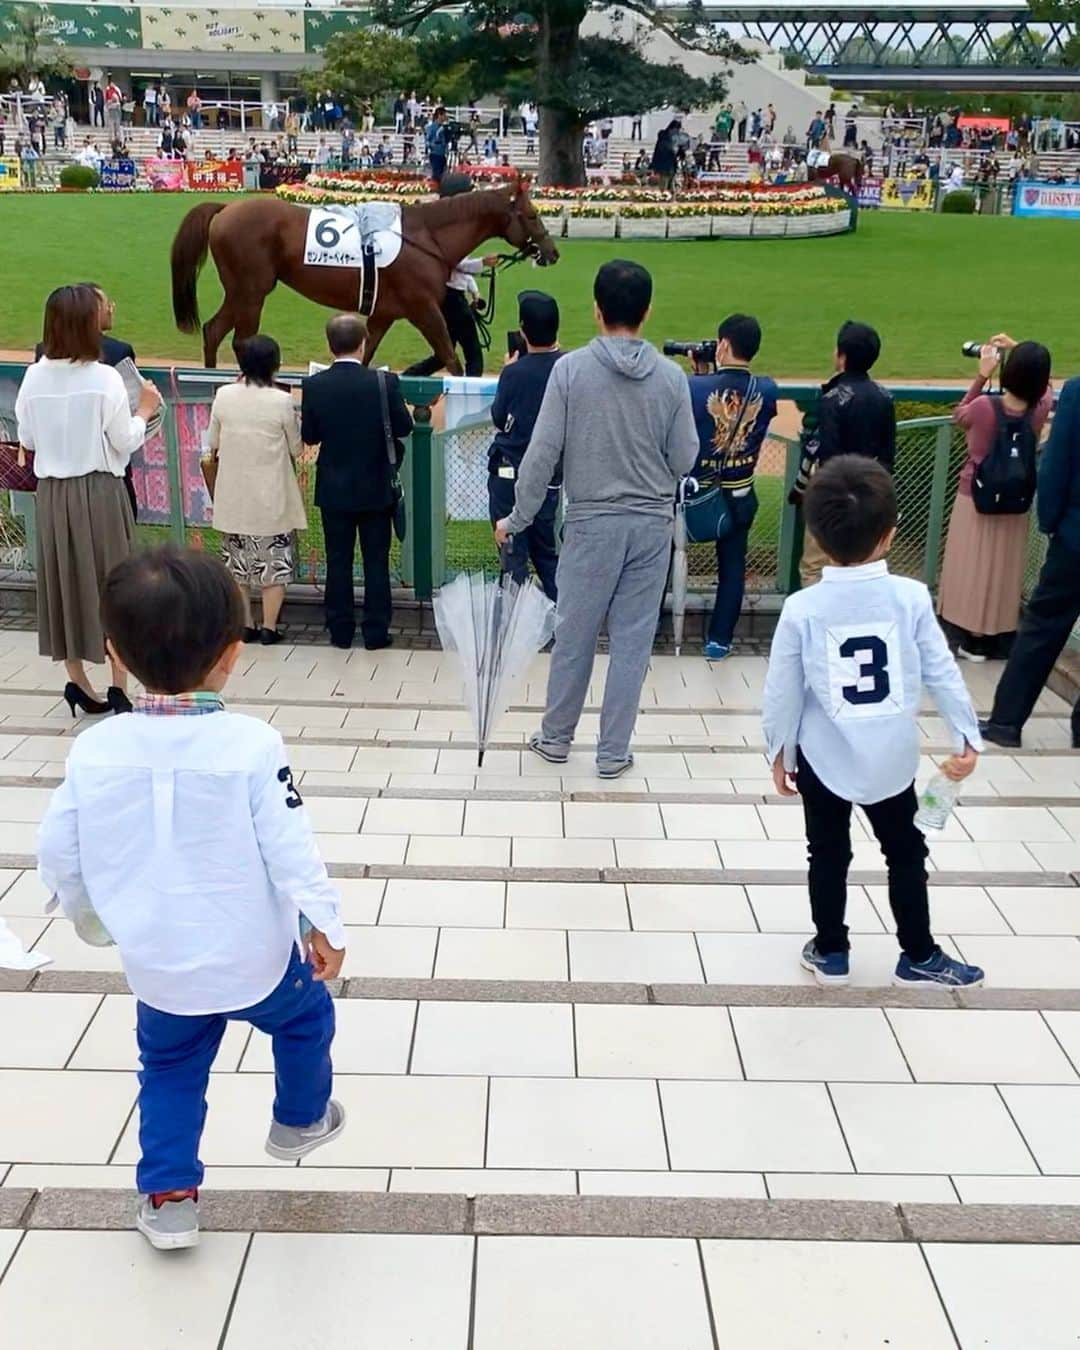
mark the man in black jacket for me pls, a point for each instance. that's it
(342, 414)
(517, 402)
(855, 416)
(113, 351)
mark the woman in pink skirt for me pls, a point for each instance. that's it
(983, 571)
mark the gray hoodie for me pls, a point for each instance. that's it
(618, 415)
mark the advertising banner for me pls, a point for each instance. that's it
(118, 175)
(215, 175)
(67, 25)
(223, 30)
(870, 193)
(1047, 199)
(10, 173)
(909, 194)
(167, 175)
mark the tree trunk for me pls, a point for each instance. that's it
(561, 128)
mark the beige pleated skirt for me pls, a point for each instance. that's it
(84, 528)
(983, 571)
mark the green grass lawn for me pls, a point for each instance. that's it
(927, 282)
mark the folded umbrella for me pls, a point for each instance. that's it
(679, 571)
(496, 628)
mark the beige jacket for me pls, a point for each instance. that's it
(255, 432)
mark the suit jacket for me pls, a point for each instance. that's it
(113, 351)
(1058, 501)
(342, 413)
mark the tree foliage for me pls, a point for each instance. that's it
(367, 63)
(25, 49)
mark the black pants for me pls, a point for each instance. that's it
(537, 542)
(731, 569)
(828, 837)
(461, 322)
(1049, 617)
(340, 529)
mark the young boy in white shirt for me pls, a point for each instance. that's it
(849, 659)
(180, 826)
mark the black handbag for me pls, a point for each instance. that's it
(707, 515)
(397, 492)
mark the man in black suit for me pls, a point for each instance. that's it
(342, 414)
(113, 351)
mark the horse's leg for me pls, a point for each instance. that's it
(432, 325)
(376, 331)
(214, 333)
(247, 313)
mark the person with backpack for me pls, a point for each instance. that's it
(983, 569)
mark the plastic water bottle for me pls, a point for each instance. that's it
(936, 803)
(90, 929)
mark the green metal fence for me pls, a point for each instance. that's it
(445, 480)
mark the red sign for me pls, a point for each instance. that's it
(983, 123)
(210, 175)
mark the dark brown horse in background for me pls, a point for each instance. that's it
(259, 241)
(847, 169)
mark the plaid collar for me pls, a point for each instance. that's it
(180, 705)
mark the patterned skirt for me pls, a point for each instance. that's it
(260, 559)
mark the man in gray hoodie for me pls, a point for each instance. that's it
(618, 415)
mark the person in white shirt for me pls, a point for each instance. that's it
(150, 105)
(849, 660)
(207, 879)
(73, 413)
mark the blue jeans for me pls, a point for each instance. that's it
(177, 1052)
(731, 569)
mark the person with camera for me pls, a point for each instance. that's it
(982, 573)
(732, 411)
(517, 403)
(1053, 608)
(855, 416)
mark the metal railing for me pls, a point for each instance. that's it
(445, 479)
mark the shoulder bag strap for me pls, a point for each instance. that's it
(388, 434)
(751, 390)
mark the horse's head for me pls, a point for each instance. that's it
(525, 230)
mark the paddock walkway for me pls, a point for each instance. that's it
(594, 1103)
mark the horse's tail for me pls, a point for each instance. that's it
(188, 255)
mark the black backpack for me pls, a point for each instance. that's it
(1004, 482)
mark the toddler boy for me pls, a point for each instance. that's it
(181, 827)
(848, 662)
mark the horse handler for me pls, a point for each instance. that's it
(619, 416)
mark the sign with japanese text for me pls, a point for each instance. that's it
(118, 175)
(215, 175)
(1047, 199)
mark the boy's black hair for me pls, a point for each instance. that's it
(623, 293)
(170, 613)
(850, 506)
(860, 345)
(743, 333)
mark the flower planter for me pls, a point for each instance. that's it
(554, 223)
(590, 227)
(731, 227)
(688, 227)
(643, 227)
(768, 226)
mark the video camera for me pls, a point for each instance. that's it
(697, 351)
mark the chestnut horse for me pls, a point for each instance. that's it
(259, 241)
(848, 169)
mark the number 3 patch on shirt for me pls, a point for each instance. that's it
(865, 670)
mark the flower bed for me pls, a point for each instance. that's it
(620, 211)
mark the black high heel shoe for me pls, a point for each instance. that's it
(118, 700)
(75, 696)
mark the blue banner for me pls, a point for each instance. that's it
(118, 175)
(1047, 199)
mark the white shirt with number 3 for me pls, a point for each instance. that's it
(849, 660)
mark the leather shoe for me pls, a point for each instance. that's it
(1006, 737)
(377, 644)
(343, 641)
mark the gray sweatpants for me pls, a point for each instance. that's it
(612, 567)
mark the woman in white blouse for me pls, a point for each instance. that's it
(255, 434)
(73, 413)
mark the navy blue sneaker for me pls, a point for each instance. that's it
(717, 651)
(831, 969)
(937, 969)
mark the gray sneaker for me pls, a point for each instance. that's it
(549, 750)
(290, 1142)
(171, 1225)
(614, 768)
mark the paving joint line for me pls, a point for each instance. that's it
(486, 1215)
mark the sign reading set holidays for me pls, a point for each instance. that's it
(333, 240)
(118, 175)
(1047, 199)
(10, 173)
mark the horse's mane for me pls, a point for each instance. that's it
(465, 206)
